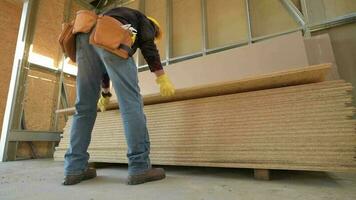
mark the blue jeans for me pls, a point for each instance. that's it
(92, 63)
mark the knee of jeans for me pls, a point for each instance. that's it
(132, 114)
(85, 108)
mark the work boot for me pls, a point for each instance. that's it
(153, 174)
(74, 179)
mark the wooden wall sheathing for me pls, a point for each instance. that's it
(320, 11)
(70, 86)
(39, 105)
(8, 34)
(49, 20)
(186, 30)
(40, 99)
(226, 22)
(269, 17)
(343, 41)
(234, 64)
(305, 127)
(157, 9)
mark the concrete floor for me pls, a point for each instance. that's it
(40, 179)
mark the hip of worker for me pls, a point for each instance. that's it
(117, 33)
(144, 38)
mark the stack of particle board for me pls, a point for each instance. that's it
(302, 127)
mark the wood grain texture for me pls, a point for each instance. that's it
(302, 127)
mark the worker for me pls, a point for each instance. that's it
(93, 62)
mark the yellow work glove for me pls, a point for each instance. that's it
(103, 102)
(166, 86)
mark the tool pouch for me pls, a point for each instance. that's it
(109, 34)
(67, 41)
(84, 21)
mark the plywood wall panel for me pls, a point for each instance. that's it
(70, 84)
(8, 34)
(187, 31)
(322, 10)
(134, 5)
(39, 105)
(281, 53)
(48, 27)
(270, 16)
(335, 8)
(343, 41)
(226, 22)
(40, 100)
(319, 50)
(157, 9)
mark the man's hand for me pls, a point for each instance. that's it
(166, 86)
(104, 101)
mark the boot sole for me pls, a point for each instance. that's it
(76, 181)
(145, 180)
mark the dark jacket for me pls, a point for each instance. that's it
(145, 34)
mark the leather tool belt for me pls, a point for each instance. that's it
(106, 32)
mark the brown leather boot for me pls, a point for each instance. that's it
(74, 179)
(153, 174)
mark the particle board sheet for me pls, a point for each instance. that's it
(304, 127)
(275, 54)
(310, 74)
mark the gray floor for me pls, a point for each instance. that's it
(40, 179)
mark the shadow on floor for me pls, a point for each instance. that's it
(294, 177)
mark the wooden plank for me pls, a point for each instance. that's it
(262, 174)
(310, 74)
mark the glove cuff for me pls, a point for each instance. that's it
(162, 78)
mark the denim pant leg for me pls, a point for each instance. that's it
(123, 74)
(90, 69)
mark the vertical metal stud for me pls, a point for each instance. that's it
(169, 27)
(204, 26)
(248, 17)
(305, 12)
(12, 116)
